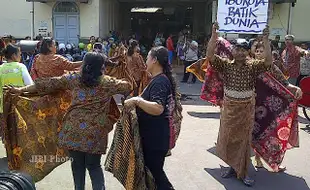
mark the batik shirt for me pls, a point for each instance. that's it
(136, 66)
(86, 124)
(291, 59)
(239, 82)
(51, 66)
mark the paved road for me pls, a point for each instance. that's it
(193, 166)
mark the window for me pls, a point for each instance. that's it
(66, 7)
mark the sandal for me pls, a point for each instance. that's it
(227, 172)
(168, 153)
(282, 168)
(259, 163)
(248, 181)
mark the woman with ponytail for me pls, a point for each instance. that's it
(155, 111)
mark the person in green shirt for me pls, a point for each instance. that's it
(12, 72)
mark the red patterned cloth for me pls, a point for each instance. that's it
(275, 129)
(276, 123)
(212, 89)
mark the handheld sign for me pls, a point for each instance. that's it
(242, 16)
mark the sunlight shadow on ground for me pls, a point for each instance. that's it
(306, 129)
(264, 181)
(211, 115)
(303, 120)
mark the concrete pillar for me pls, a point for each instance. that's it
(125, 24)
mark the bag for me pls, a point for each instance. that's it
(16, 181)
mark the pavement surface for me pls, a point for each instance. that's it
(193, 165)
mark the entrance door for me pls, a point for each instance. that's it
(66, 23)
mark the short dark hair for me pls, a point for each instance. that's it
(45, 45)
(10, 50)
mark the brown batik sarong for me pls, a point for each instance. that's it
(125, 158)
(234, 139)
(31, 133)
(31, 130)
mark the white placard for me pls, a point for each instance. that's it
(242, 16)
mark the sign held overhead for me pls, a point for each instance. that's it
(242, 16)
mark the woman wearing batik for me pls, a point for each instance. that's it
(237, 114)
(86, 124)
(135, 64)
(154, 110)
(279, 76)
(12, 73)
(48, 64)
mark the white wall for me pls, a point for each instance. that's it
(89, 19)
(18, 23)
(43, 13)
(278, 20)
(15, 18)
(300, 20)
(109, 16)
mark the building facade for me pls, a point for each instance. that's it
(71, 20)
(67, 21)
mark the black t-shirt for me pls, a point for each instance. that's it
(154, 130)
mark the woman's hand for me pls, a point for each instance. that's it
(215, 27)
(131, 103)
(298, 93)
(13, 90)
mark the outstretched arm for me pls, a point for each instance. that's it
(212, 42)
(268, 53)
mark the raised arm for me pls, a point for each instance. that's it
(212, 42)
(268, 53)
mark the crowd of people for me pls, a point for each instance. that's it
(91, 84)
(96, 71)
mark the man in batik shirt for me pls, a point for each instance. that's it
(291, 58)
(237, 114)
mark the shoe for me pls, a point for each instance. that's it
(281, 169)
(168, 153)
(182, 81)
(259, 163)
(248, 181)
(227, 172)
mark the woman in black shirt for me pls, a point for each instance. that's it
(154, 110)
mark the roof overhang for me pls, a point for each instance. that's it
(283, 1)
(47, 1)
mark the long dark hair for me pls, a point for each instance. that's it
(131, 49)
(92, 69)
(45, 45)
(161, 54)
